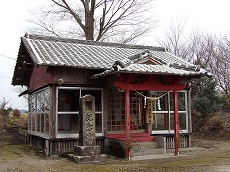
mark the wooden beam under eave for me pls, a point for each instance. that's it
(24, 69)
(149, 86)
(150, 82)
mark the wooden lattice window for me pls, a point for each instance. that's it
(116, 111)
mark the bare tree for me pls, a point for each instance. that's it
(4, 111)
(111, 20)
(174, 40)
(212, 53)
(209, 51)
(4, 103)
(220, 63)
(200, 46)
(20, 90)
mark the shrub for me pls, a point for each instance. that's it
(17, 123)
(205, 97)
(217, 126)
(16, 113)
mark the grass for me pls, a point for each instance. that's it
(10, 152)
(23, 158)
(184, 164)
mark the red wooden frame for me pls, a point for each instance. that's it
(176, 123)
(129, 82)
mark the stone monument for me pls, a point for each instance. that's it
(87, 151)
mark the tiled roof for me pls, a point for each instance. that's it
(107, 57)
(153, 69)
(88, 54)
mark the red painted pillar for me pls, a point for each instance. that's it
(176, 123)
(127, 118)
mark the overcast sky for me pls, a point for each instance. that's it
(209, 16)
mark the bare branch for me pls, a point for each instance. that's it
(74, 15)
(96, 20)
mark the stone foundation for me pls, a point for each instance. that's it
(86, 154)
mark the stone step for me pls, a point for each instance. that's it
(146, 152)
(87, 154)
(146, 148)
(137, 137)
(156, 151)
(87, 150)
(143, 137)
(87, 159)
(145, 145)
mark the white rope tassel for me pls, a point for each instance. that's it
(145, 100)
(139, 112)
(159, 104)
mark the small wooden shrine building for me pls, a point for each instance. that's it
(139, 90)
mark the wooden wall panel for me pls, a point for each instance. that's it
(39, 77)
(75, 75)
(43, 75)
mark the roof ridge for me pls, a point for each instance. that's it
(91, 42)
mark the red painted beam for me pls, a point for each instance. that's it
(149, 86)
(150, 83)
(176, 123)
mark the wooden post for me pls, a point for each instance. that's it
(47, 148)
(189, 111)
(127, 118)
(189, 117)
(52, 116)
(176, 123)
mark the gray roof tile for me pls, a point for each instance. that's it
(76, 53)
(98, 55)
(152, 69)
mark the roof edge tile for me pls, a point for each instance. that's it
(91, 42)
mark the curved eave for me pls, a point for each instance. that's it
(190, 75)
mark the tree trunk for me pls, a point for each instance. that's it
(89, 25)
(89, 20)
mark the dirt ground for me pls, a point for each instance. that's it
(205, 155)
